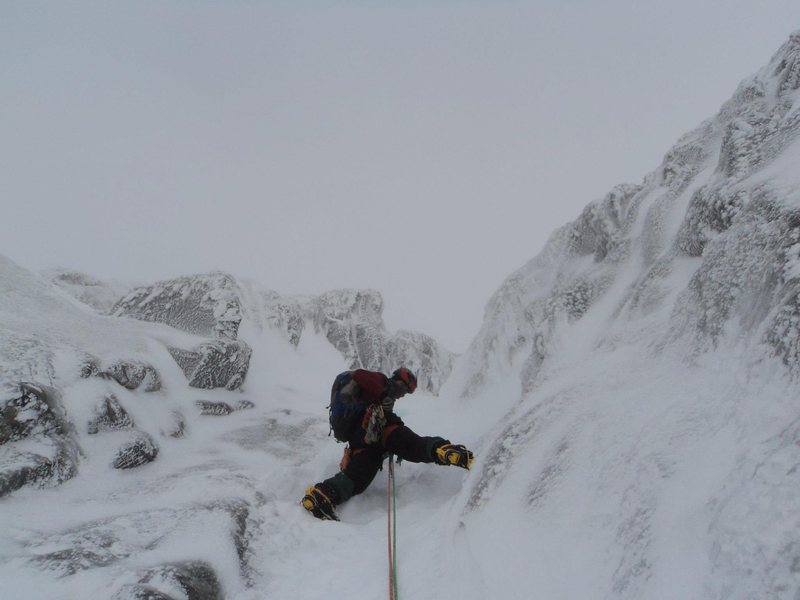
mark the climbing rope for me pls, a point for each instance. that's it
(391, 500)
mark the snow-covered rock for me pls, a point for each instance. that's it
(352, 320)
(192, 580)
(109, 415)
(129, 374)
(215, 364)
(114, 404)
(215, 305)
(139, 450)
(38, 444)
(206, 305)
(640, 373)
(100, 295)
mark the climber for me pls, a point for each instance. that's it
(361, 414)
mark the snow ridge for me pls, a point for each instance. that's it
(645, 362)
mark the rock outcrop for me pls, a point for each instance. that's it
(130, 374)
(352, 321)
(216, 304)
(38, 445)
(139, 450)
(207, 305)
(195, 580)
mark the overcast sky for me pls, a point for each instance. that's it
(422, 148)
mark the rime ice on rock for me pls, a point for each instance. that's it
(207, 305)
(216, 304)
(109, 415)
(702, 258)
(38, 445)
(706, 201)
(352, 320)
(139, 450)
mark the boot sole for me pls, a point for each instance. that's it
(310, 504)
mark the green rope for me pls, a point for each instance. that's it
(394, 531)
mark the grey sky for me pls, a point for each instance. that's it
(425, 149)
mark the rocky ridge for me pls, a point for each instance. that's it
(723, 203)
(216, 304)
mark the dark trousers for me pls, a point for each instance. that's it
(366, 461)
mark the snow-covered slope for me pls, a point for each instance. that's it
(100, 295)
(641, 372)
(631, 398)
(119, 480)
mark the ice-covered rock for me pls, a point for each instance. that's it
(38, 445)
(655, 343)
(214, 305)
(214, 408)
(269, 310)
(214, 364)
(206, 305)
(110, 415)
(130, 374)
(193, 580)
(219, 408)
(111, 541)
(714, 199)
(139, 450)
(352, 321)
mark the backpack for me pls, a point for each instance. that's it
(345, 411)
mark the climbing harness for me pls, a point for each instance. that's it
(391, 499)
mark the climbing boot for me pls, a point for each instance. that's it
(319, 504)
(454, 454)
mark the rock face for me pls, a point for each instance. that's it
(37, 443)
(216, 304)
(206, 305)
(215, 364)
(724, 196)
(653, 342)
(268, 309)
(352, 320)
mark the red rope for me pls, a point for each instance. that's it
(389, 500)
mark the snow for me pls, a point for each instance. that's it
(173, 509)
(614, 466)
(632, 407)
